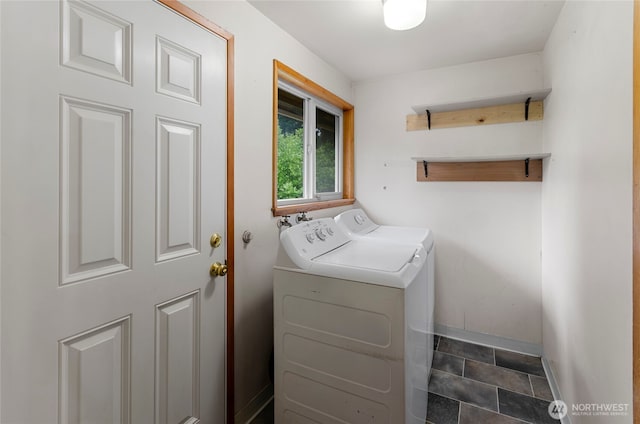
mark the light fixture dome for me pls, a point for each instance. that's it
(403, 14)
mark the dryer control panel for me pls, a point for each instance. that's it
(355, 222)
(310, 239)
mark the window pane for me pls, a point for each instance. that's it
(326, 146)
(290, 145)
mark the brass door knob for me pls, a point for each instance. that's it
(218, 270)
(215, 240)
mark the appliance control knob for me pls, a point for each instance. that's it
(329, 231)
(310, 238)
(320, 234)
(359, 219)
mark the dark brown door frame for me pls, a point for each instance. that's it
(636, 211)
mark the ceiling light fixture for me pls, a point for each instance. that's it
(403, 14)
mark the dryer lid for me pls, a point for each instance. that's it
(376, 256)
(403, 235)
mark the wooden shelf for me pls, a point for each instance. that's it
(482, 158)
(524, 167)
(518, 107)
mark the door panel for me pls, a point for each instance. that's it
(95, 190)
(178, 192)
(113, 177)
(96, 41)
(178, 71)
(95, 375)
(177, 360)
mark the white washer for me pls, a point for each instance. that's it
(358, 226)
(350, 329)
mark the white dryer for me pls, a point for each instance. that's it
(349, 328)
(357, 225)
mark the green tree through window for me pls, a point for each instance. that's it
(290, 158)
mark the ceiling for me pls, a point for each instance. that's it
(351, 36)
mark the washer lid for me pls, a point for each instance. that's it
(377, 256)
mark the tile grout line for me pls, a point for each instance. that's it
(531, 384)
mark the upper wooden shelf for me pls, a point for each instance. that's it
(520, 97)
(518, 107)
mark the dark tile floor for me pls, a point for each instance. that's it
(265, 416)
(477, 384)
(472, 384)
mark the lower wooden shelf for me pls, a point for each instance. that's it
(527, 168)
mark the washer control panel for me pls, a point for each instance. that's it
(310, 239)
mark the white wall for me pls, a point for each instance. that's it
(587, 204)
(487, 234)
(257, 42)
(0, 198)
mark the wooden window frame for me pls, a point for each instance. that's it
(636, 213)
(282, 72)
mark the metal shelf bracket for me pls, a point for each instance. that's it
(526, 109)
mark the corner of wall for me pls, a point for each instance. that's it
(586, 217)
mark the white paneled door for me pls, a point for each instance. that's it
(113, 182)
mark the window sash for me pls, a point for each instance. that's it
(309, 145)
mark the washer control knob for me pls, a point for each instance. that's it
(310, 238)
(359, 219)
(320, 234)
(329, 231)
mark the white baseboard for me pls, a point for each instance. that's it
(255, 406)
(553, 385)
(489, 340)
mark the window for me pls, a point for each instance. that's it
(309, 148)
(312, 146)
